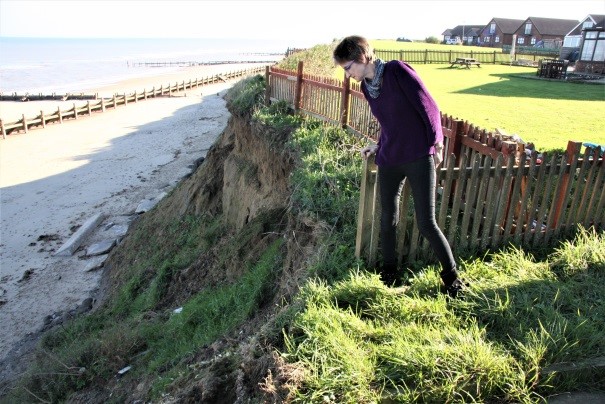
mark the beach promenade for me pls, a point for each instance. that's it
(53, 180)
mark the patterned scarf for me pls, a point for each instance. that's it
(374, 86)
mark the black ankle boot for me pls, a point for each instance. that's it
(389, 274)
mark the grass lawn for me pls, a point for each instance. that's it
(547, 113)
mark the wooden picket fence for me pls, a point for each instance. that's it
(448, 56)
(489, 204)
(491, 191)
(40, 121)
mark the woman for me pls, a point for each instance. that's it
(409, 147)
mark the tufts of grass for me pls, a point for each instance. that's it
(155, 259)
(213, 312)
(246, 95)
(317, 60)
(524, 330)
(326, 185)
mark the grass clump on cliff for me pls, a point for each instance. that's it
(143, 327)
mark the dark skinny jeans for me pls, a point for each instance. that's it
(421, 175)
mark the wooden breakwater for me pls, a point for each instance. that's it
(59, 116)
(192, 63)
(47, 97)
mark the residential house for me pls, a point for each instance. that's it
(592, 51)
(467, 34)
(591, 26)
(545, 33)
(499, 32)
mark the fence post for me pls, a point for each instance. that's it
(298, 92)
(366, 241)
(3, 130)
(24, 123)
(75, 111)
(344, 104)
(455, 143)
(42, 119)
(573, 148)
(267, 85)
(89, 108)
(102, 104)
(60, 115)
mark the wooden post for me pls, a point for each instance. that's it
(115, 102)
(60, 115)
(102, 104)
(89, 108)
(42, 120)
(345, 102)
(455, 143)
(366, 241)
(3, 130)
(573, 149)
(298, 90)
(136, 97)
(75, 111)
(125, 99)
(24, 123)
(267, 85)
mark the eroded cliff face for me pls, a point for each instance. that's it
(244, 173)
(244, 180)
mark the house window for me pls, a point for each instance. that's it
(520, 40)
(593, 49)
(587, 24)
(528, 28)
(572, 42)
(497, 39)
(486, 39)
(533, 41)
(492, 28)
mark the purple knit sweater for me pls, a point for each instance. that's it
(409, 118)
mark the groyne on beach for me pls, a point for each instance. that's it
(25, 121)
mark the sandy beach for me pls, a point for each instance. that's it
(53, 180)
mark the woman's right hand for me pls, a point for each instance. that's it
(368, 151)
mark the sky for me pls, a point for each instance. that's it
(311, 21)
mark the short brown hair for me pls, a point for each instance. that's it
(355, 48)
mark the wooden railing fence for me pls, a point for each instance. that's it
(448, 56)
(40, 121)
(491, 192)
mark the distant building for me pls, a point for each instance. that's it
(499, 32)
(592, 51)
(466, 34)
(589, 32)
(545, 33)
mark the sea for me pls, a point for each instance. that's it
(69, 65)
